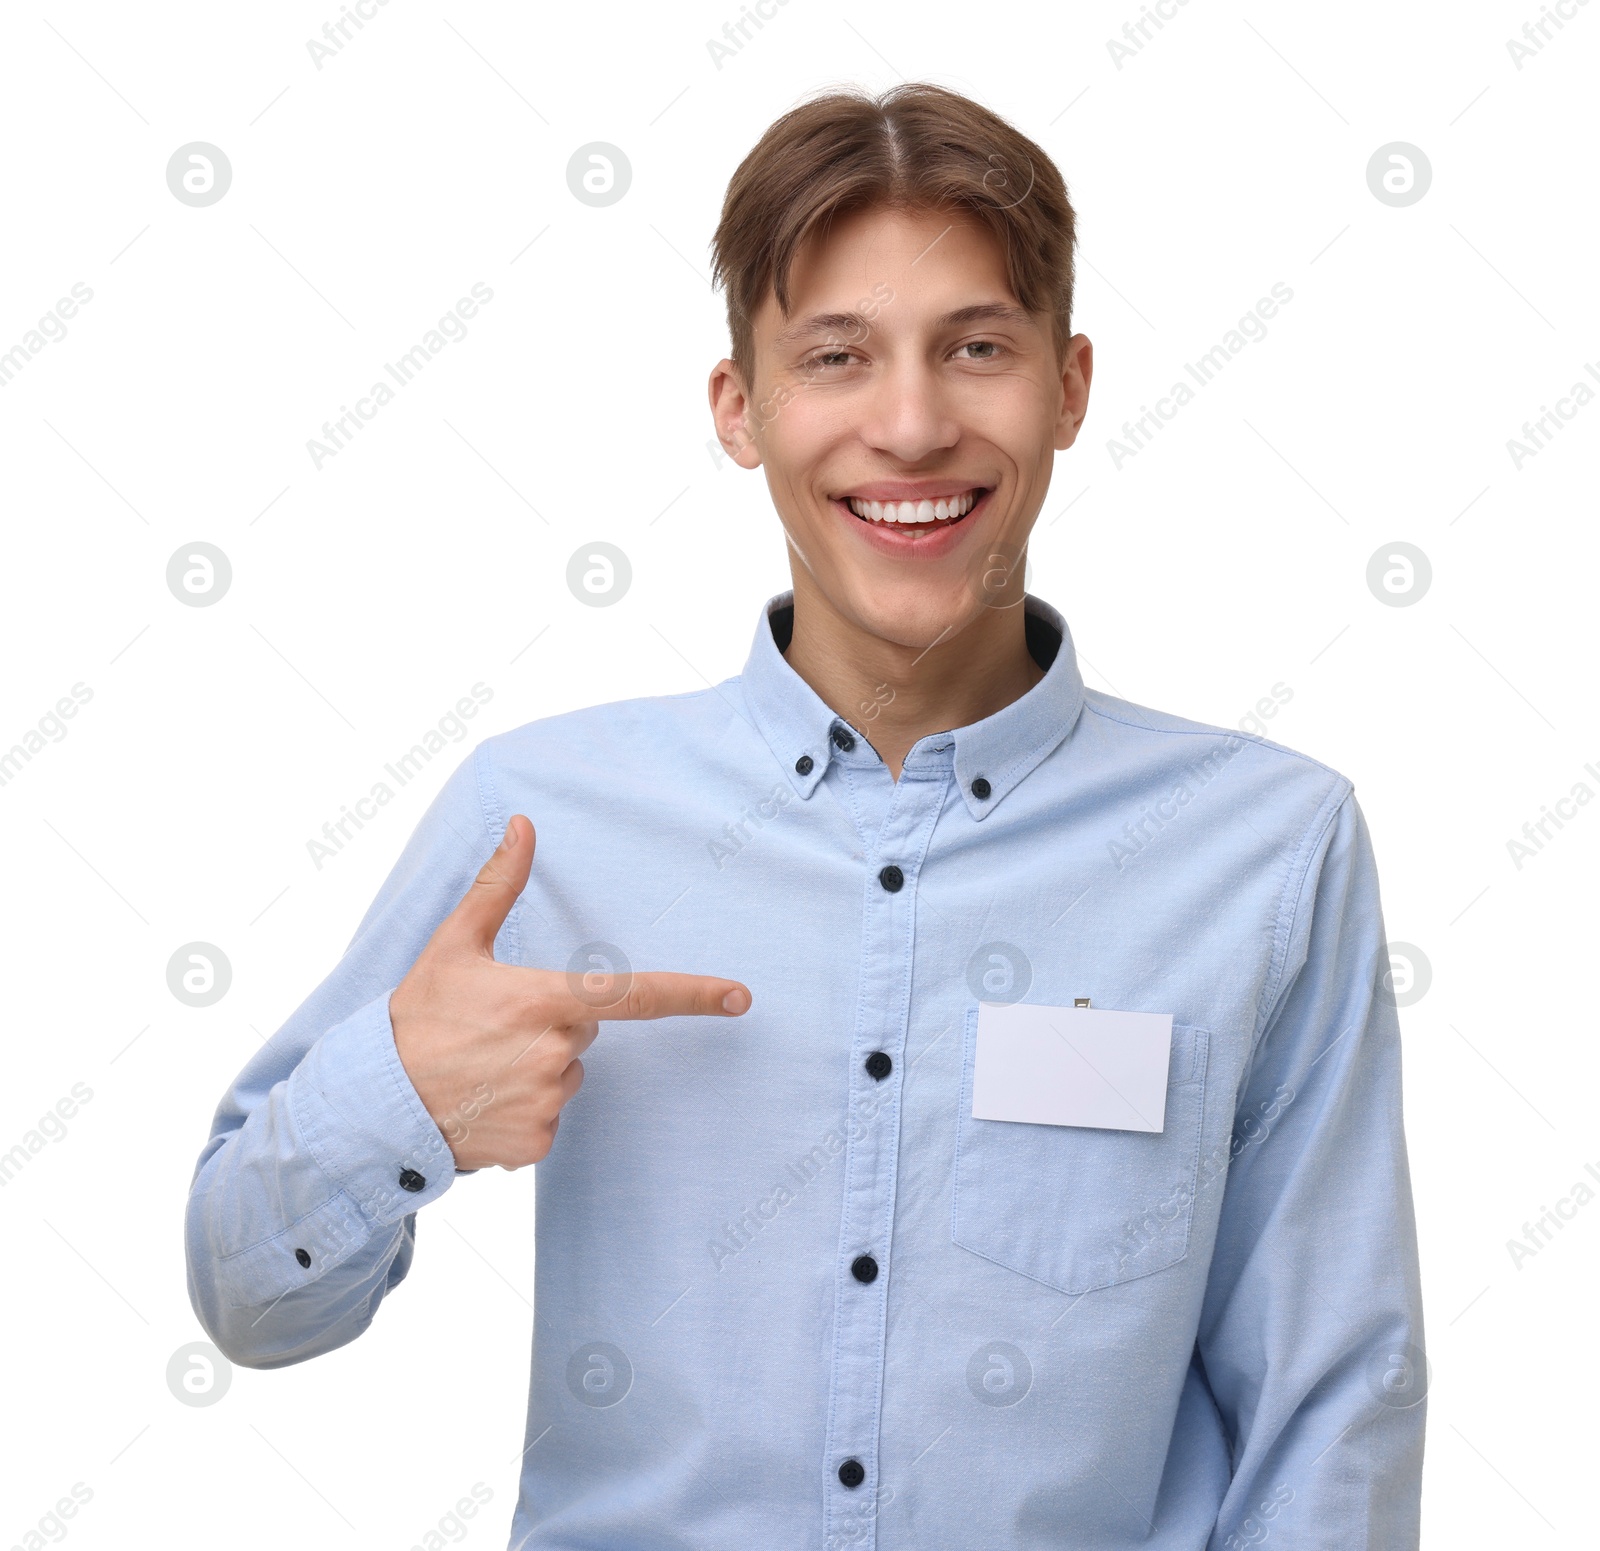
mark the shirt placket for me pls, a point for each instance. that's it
(864, 1257)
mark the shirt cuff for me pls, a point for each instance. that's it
(364, 1122)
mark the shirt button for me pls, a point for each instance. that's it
(303, 1258)
(842, 737)
(878, 1065)
(981, 789)
(891, 878)
(411, 1180)
(802, 766)
(851, 1473)
(864, 1268)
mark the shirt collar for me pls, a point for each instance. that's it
(1001, 749)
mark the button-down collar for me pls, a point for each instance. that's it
(1001, 748)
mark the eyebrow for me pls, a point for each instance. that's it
(854, 324)
(986, 312)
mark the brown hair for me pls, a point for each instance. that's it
(917, 146)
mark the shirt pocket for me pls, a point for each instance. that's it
(1076, 1207)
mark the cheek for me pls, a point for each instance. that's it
(798, 453)
(1015, 414)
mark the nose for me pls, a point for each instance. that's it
(906, 414)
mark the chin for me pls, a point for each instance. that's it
(912, 611)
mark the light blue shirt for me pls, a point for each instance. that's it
(1191, 1340)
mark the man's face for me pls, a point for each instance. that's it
(905, 382)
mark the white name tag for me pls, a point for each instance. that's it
(1072, 1066)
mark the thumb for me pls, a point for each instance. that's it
(485, 906)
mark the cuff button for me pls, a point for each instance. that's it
(411, 1180)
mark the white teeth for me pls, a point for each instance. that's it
(914, 511)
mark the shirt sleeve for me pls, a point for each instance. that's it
(302, 1210)
(1311, 1332)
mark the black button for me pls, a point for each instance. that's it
(892, 878)
(851, 1473)
(879, 1065)
(411, 1180)
(303, 1258)
(802, 765)
(842, 736)
(864, 1268)
(981, 789)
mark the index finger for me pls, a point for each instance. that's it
(667, 994)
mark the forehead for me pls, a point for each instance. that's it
(932, 258)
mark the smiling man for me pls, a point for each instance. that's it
(1036, 1175)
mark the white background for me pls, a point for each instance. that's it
(1228, 154)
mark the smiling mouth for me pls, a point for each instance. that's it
(916, 514)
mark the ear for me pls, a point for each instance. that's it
(1075, 375)
(730, 404)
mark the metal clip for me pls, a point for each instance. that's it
(1080, 1001)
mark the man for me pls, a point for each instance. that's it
(1008, 1150)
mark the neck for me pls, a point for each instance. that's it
(895, 694)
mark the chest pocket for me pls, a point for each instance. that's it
(1075, 1207)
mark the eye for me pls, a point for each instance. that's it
(990, 350)
(826, 360)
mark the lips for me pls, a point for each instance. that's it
(903, 509)
(907, 522)
(915, 512)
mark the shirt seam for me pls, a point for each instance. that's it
(852, 1161)
(857, 817)
(1213, 732)
(1293, 901)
